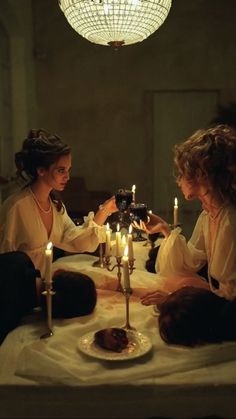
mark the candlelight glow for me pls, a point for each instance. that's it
(176, 210)
(123, 241)
(133, 188)
(118, 227)
(126, 251)
(107, 227)
(49, 246)
(130, 229)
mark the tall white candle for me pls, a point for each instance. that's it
(133, 191)
(48, 264)
(123, 242)
(175, 212)
(130, 243)
(108, 241)
(118, 241)
(125, 263)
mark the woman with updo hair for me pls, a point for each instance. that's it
(206, 170)
(34, 216)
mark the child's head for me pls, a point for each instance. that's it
(194, 316)
(75, 295)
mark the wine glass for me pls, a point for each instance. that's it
(123, 199)
(139, 212)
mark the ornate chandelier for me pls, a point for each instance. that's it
(115, 22)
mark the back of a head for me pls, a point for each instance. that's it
(211, 154)
(75, 295)
(39, 149)
(190, 317)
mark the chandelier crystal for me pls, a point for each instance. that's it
(115, 22)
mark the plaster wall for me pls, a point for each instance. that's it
(100, 100)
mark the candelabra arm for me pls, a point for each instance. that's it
(131, 266)
(117, 265)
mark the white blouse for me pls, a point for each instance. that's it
(212, 242)
(21, 228)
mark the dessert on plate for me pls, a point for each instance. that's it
(113, 339)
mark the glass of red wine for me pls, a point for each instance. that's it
(123, 199)
(139, 212)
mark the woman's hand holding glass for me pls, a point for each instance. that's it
(105, 210)
(110, 205)
(155, 224)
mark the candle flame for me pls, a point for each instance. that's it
(130, 229)
(49, 246)
(108, 227)
(150, 211)
(118, 227)
(126, 251)
(133, 188)
(176, 202)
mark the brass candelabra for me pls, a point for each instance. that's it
(48, 292)
(119, 266)
(126, 291)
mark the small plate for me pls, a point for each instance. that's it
(138, 345)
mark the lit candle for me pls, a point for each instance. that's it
(118, 241)
(175, 212)
(133, 191)
(123, 242)
(130, 243)
(125, 264)
(108, 241)
(48, 264)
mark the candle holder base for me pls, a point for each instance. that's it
(173, 226)
(98, 264)
(128, 327)
(139, 237)
(47, 335)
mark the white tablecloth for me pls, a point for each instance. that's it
(152, 384)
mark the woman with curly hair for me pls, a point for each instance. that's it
(34, 216)
(206, 167)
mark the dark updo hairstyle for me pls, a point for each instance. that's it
(212, 154)
(39, 149)
(195, 316)
(75, 295)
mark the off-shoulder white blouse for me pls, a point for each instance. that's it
(212, 242)
(21, 228)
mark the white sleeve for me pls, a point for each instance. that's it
(223, 264)
(177, 257)
(84, 238)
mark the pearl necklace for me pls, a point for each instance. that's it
(37, 202)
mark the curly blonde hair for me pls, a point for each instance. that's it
(212, 154)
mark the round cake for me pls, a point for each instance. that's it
(113, 339)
